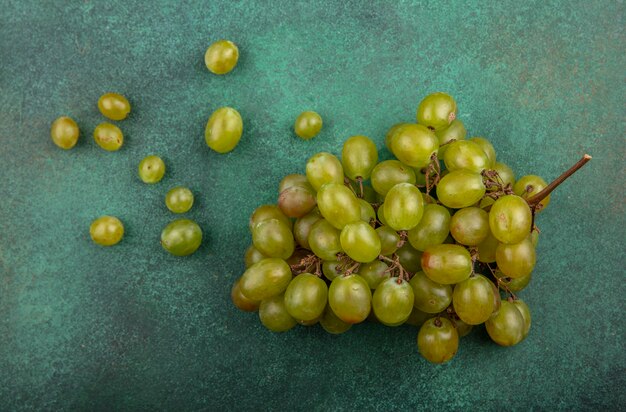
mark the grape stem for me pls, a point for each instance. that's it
(534, 201)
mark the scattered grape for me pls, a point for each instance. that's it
(223, 130)
(179, 199)
(106, 230)
(108, 136)
(114, 106)
(221, 57)
(181, 237)
(308, 125)
(64, 132)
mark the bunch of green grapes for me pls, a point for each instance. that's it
(441, 238)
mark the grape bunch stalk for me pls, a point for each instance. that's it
(443, 237)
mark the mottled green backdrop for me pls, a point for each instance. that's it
(132, 328)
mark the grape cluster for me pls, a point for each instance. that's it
(441, 238)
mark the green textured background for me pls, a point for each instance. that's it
(132, 328)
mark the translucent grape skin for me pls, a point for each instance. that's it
(473, 299)
(297, 201)
(223, 130)
(516, 260)
(64, 132)
(306, 297)
(487, 249)
(324, 168)
(360, 241)
(460, 188)
(525, 312)
(266, 212)
(505, 172)
(470, 226)
(358, 157)
(151, 169)
(414, 145)
(294, 179)
(367, 211)
(467, 155)
(252, 256)
(106, 230)
(374, 273)
(332, 324)
(181, 237)
(447, 264)
(114, 106)
(273, 239)
(430, 297)
(393, 301)
(324, 240)
(241, 301)
(404, 207)
(389, 239)
(179, 199)
(410, 258)
(391, 134)
(528, 186)
(350, 298)
(221, 57)
(307, 125)
(510, 219)
(338, 205)
(432, 229)
(438, 340)
(108, 136)
(302, 227)
(456, 131)
(487, 148)
(389, 173)
(266, 278)
(514, 285)
(506, 327)
(436, 111)
(274, 316)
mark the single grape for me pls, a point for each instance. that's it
(330, 270)
(324, 168)
(324, 240)
(467, 155)
(273, 238)
(389, 240)
(221, 57)
(302, 227)
(266, 278)
(358, 157)
(432, 229)
(487, 148)
(393, 301)
(389, 173)
(181, 237)
(252, 256)
(530, 185)
(392, 132)
(292, 180)
(297, 201)
(64, 132)
(516, 260)
(417, 317)
(525, 312)
(514, 285)
(487, 249)
(470, 226)
(114, 106)
(506, 174)
(414, 145)
(438, 340)
(447, 264)
(430, 297)
(108, 136)
(473, 299)
(436, 111)
(460, 188)
(509, 219)
(151, 169)
(338, 205)
(350, 298)
(360, 241)
(241, 301)
(455, 132)
(331, 322)
(404, 206)
(367, 211)
(410, 259)
(274, 316)
(266, 212)
(179, 199)
(223, 130)
(306, 297)
(106, 230)
(506, 327)
(374, 273)
(308, 125)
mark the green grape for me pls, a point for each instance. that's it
(331, 322)
(350, 298)
(462, 328)
(417, 317)
(506, 174)
(389, 173)
(470, 226)
(530, 185)
(473, 299)
(64, 132)
(506, 327)
(266, 212)
(324, 168)
(273, 238)
(514, 285)
(252, 256)
(360, 241)
(179, 199)
(487, 249)
(392, 132)
(438, 340)
(367, 211)
(393, 301)
(108, 136)
(324, 240)
(302, 227)
(460, 188)
(223, 130)
(181, 237)
(467, 155)
(307, 125)
(432, 229)
(410, 259)
(106, 230)
(430, 297)
(509, 219)
(516, 260)
(266, 278)
(369, 194)
(358, 157)
(447, 264)
(487, 148)
(114, 106)
(525, 312)
(292, 180)
(436, 111)
(374, 273)
(456, 131)
(338, 205)
(403, 206)
(414, 145)
(274, 316)
(221, 57)
(381, 215)
(151, 169)
(330, 269)
(241, 301)
(297, 201)
(306, 297)
(389, 240)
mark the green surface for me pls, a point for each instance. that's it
(134, 328)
